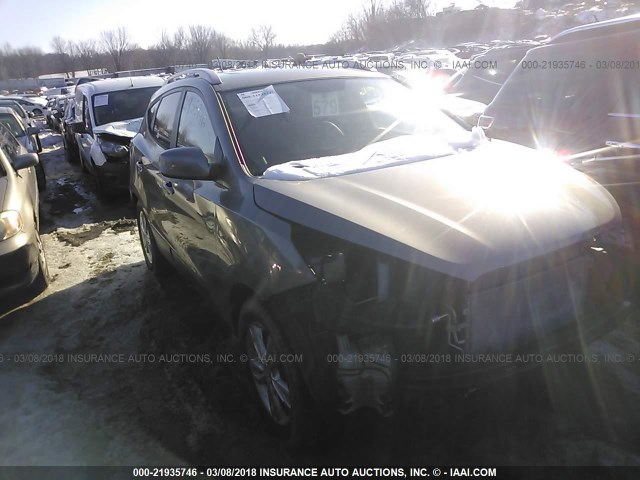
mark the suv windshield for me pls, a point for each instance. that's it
(327, 117)
(121, 105)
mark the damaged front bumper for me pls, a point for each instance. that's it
(373, 371)
(363, 346)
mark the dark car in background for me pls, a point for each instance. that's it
(22, 260)
(71, 153)
(336, 218)
(48, 111)
(59, 112)
(577, 97)
(469, 49)
(487, 72)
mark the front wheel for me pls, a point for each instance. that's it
(279, 389)
(42, 279)
(152, 256)
(70, 152)
(102, 190)
(83, 166)
(41, 177)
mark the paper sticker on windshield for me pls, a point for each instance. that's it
(325, 104)
(260, 103)
(101, 100)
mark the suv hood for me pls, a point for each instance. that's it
(125, 128)
(464, 214)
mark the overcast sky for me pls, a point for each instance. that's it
(294, 21)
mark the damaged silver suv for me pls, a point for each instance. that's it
(348, 230)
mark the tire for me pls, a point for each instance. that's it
(154, 259)
(70, 154)
(41, 177)
(278, 388)
(42, 279)
(81, 159)
(103, 193)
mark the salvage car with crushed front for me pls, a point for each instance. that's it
(335, 216)
(107, 116)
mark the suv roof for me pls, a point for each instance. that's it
(8, 110)
(599, 29)
(115, 84)
(252, 77)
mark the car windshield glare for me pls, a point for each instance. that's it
(121, 105)
(327, 117)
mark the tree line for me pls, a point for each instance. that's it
(378, 24)
(115, 50)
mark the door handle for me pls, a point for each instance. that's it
(168, 186)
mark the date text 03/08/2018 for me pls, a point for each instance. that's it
(335, 472)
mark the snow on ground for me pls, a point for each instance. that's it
(72, 394)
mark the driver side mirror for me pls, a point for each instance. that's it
(187, 163)
(33, 131)
(25, 161)
(190, 163)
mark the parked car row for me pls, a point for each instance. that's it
(22, 255)
(23, 265)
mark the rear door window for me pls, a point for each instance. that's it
(165, 119)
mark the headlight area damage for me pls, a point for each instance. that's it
(115, 148)
(410, 271)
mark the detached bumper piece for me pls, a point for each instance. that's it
(365, 374)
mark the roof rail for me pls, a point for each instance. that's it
(596, 29)
(204, 73)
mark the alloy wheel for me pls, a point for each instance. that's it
(145, 236)
(267, 373)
